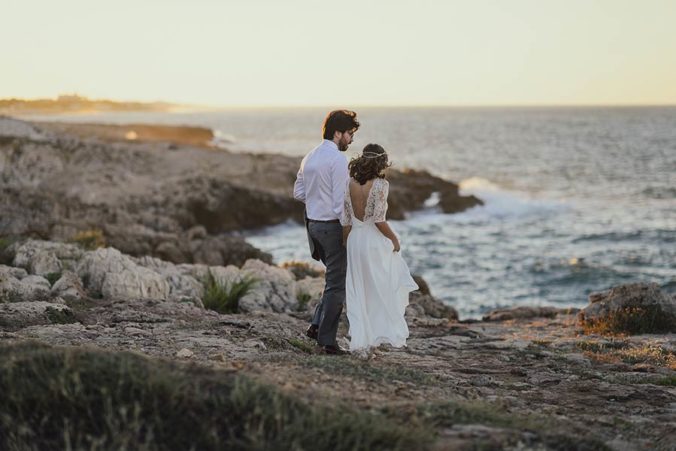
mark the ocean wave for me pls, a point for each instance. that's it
(656, 235)
(502, 203)
(223, 140)
(610, 236)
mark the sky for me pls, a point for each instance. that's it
(351, 53)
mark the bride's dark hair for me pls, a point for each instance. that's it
(370, 164)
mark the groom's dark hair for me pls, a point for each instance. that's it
(339, 121)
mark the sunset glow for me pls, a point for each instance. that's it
(303, 52)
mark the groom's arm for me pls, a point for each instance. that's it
(339, 178)
(346, 232)
(299, 186)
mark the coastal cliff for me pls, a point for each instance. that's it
(165, 193)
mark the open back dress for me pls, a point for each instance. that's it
(378, 280)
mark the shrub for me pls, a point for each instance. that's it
(52, 277)
(4, 243)
(632, 320)
(302, 345)
(67, 398)
(668, 381)
(225, 299)
(6, 256)
(301, 270)
(303, 299)
(90, 239)
(57, 316)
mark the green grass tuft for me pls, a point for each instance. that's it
(446, 414)
(668, 381)
(56, 316)
(303, 299)
(5, 243)
(303, 345)
(6, 257)
(225, 299)
(75, 398)
(52, 277)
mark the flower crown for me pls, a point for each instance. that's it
(373, 155)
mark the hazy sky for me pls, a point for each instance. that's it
(305, 52)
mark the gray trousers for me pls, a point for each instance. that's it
(329, 237)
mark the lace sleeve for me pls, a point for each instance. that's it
(346, 218)
(380, 200)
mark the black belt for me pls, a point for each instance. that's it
(330, 221)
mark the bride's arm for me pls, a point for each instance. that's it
(382, 190)
(386, 230)
(346, 232)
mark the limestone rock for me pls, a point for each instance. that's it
(29, 288)
(414, 311)
(427, 305)
(17, 273)
(11, 289)
(226, 276)
(630, 308)
(17, 315)
(19, 129)
(301, 270)
(185, 353)
(225, 250)
(46, 257)
(523, 312)
(169, 251)
(409, 189)
(36, 283)
(109, 273)
(69, 287)
(423, 287)
(309, 292)
(183, 286)
(198, 272)
(274, 289)
(182, 206)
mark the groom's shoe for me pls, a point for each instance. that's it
(312, 331)
(333, 350)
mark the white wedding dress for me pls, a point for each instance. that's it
(378, 280)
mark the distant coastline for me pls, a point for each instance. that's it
(75, 104)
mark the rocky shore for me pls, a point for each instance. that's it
(165, 193)
(132, 317)
(520, 379)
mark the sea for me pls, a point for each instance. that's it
(577, 199)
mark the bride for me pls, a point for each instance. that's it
(378, 280)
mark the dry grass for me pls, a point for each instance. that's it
(631, 320)
(90, 239)
(301, 270)
(623, 352)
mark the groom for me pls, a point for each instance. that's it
(320, 184)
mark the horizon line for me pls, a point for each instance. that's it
(197, 105)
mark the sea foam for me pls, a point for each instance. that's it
(502, 203)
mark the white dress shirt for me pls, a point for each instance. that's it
(321, 182)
